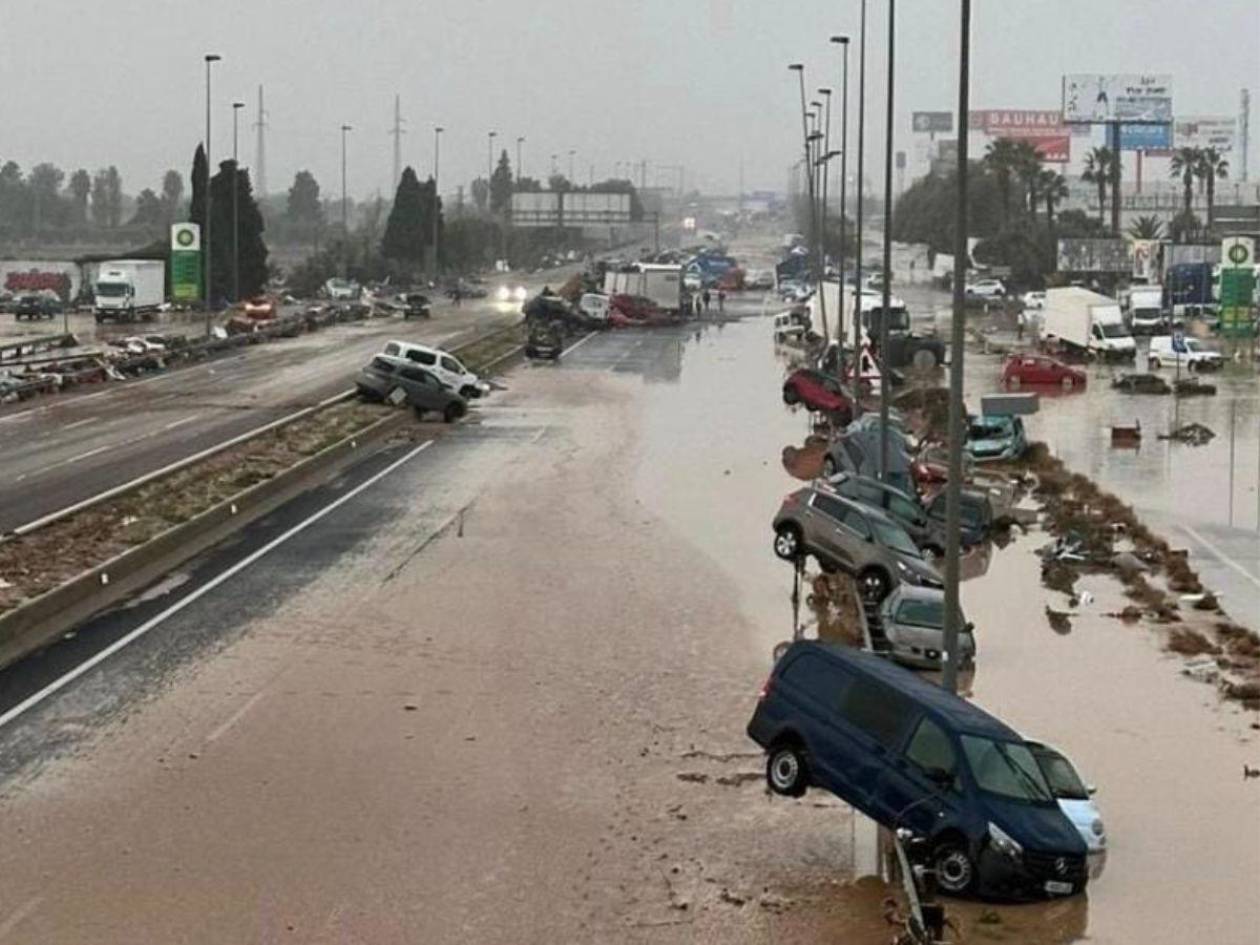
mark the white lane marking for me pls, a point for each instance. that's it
(77, 423)
(235, 717)
(179, 423)
(18, 914)
(169, 467)
(578, 343)
(1220, 555)
(62, 681)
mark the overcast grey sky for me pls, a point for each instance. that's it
(696, 82)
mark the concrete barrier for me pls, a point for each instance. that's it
(43, 620)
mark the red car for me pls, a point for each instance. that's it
(820, 392)
(260, 306)
(625, 311)
(1038, 369)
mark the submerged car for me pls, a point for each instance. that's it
(1022, 370)
(1075, 799)
(910, 754)
(847, 535)
(385, 375)
(975, 515)
(996, 438)
(913, 622)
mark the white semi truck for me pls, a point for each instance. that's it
(1088, 322)
(127, 289)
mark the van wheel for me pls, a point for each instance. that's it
(787, 542)
(790, 396)
(452, 412)
(874, 584)
(787, 772)
(955, 873)
(924, 359)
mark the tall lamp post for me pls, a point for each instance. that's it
(236, 208)
(808, 167)
(843, 42)
(825, 170)
(861, 151)
(345, 219)
(519, 171)
(489, 161)
(437, 137)
(205, 237)
(885, 384)
(957, 344)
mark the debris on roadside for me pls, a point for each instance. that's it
(1193, 434)
(1060, 621)
(1126, 435)
(1190, 642)
(806, 462)
(1192, 387)
(1141, 384)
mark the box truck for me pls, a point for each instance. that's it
(1087, 322)
(1145, 306)
(129, 288)
(661, 283)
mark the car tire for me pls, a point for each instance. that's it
(955, 870)
(1013, 382)
(452, 412)
(828, 467)
(1068, 383)
(787, 543)
(924, 359)
(787, 770)
(790, 395)
(874, 584)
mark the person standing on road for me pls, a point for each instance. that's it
(721, 300)
(705, 296)
(458, 295)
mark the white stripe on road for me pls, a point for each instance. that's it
(577, 344)
(64, 462)
(61, 682)
(1220, 555)
(179, 423)
(77, 423)
(234, 717)
(17, 915)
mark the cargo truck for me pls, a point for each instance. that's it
(1088, 323)
(1145, 307)
(127, 289)
(1188, 290)
(663, 284)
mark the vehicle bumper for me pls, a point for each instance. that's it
(1032, 877)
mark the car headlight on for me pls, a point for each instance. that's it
(1004, 842)
(519, 293)
(503, 294)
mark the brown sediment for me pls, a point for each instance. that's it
(834, 603)
(1189, 642)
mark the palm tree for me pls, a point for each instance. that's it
(1147, 228)
(1098, 173)
(1210, 167)
(1000, 159)
(1026, 163)
(1185, 164)
(1054, 188)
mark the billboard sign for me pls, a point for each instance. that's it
(22, 276)
(1042, 128)
(185, 262)
(1206, 131)
(552, 208)
(1145, 137)
(1146, 260)
(932, 121)
(1136, 98)
(1086, 255)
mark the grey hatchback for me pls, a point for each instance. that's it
(845, 534)
(384, 375)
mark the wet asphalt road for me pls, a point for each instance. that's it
(575, 596)
(60, 450)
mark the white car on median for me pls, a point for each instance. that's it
(442, 364)
(986, 289)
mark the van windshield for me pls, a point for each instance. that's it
(1006, 769)
(1113, 330)
(1062, 777)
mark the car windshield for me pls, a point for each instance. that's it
(1192, 344)
(111, 290)
(1006, 769)
(989, 429)
(922, 612)
(894, 537)
(1064, 782)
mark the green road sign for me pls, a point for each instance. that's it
(185, 262)
(1237, 287)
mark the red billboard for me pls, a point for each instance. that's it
(1042, 128)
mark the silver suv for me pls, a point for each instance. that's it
(850, 536)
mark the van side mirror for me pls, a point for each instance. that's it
(968, 627)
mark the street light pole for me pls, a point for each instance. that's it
(861, 149)
(957, 345)
(885, 382)
(519, 171)
(236, 212)
(205, 236)
(808, 167)
(822, 215)
(437, 133)
(489, 162)
(843, 41)
(345, 220)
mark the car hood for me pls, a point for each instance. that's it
(1037, 828)
(990, 445)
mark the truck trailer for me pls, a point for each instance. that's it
(127, 289)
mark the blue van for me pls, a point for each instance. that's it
(909, 754)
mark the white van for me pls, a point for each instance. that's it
(1169, 349)
(442, 364)
(594, 306)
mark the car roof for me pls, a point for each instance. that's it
(913, 592)
(867, 510)
(963, 716)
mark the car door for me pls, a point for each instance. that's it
(826, 530)
(421, 387)
(873, 717)
(908, 792)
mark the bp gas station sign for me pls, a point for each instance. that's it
(185, 262)
(1238, 287)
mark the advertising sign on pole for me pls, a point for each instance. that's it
(185, 262)
(1206, 131)
(1145, 137)
(1042, 128)
(932, 121)
(1133, 98)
